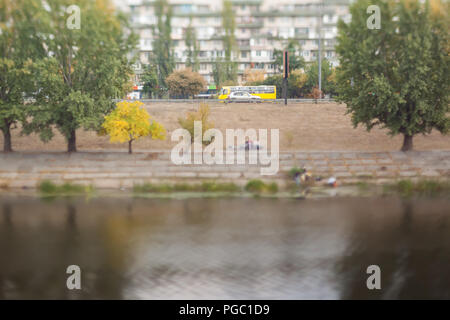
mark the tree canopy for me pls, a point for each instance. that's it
(129, 121)
(296, 61)
(190, 40)
(396, 77)
(162, 55)
(312, 72)
(20, 46)
(185, 83)
(84, 69)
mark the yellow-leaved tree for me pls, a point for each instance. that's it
(129, 121)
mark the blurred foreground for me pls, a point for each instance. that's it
(225, 248)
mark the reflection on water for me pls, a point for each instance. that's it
(224, 248)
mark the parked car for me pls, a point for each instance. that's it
(204, 95)
(209, 94)
(242, 96)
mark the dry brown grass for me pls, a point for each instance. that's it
(312, 127)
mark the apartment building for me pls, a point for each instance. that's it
(261, 27)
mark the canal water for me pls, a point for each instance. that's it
(226, 248)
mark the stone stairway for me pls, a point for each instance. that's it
(121, 170)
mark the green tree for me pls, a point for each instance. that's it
(219, 73)
(312, 72)
(192, 46)
(150, 81)
(19, 46)
(163, 56)
(296, 61)
(229, 66)
(396, 77)
(296, 83)
(84, 69)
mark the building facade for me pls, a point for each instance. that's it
(261, 27)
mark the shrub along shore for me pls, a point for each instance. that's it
(403, 188)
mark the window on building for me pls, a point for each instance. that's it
(301, 31)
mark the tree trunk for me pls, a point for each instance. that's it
(130, 151)
(72, 142)
(407, 143)
(7, 145)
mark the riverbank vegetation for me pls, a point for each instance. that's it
(427, 188)
(258, 186)
(50, 189)
(185, 187)
(402, 188)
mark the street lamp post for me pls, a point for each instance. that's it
(285, 74)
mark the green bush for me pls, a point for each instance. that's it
(49, 188)
(407, 188)
(148, 187)
(292, 173)
(255, 186)
(220, 187)
(184, 187)
(272, 187)
(258, 186)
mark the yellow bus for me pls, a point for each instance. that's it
(264, 92)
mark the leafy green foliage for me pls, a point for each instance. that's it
(296, 83)
(163, 56)
(83, 71)
(184, 187)
(48, 188)
(312, 72)
(407, 188)
(20, 45)
(150, 81)
(192, 46)
(296, 61)
(396, 77)
(294, 171)
(258, 186)
(229, 41)
(219, 72)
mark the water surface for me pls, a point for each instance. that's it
(224, 248)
